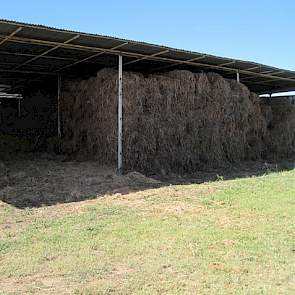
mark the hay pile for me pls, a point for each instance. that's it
(280, 115)
(178, 121)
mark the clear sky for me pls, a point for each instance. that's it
(261, 30)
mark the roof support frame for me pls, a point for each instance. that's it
(11, 35)
(33, 55)
(147, 57)
(159, 58)
(253, 68)
(265, 81)
(46, 52)
(90, 57)
(227, 63)
(15, 64)
(198, 58)
(278, 72)
(175, 64)
(267, 72)
(28, 72)
(270, 74)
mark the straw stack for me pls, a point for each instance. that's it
(177, 121)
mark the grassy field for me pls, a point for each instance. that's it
(222, 237)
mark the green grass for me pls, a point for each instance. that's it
(224, 237)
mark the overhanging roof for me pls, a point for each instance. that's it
(29, 52)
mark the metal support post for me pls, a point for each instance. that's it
(19, 108)
(120, 112)
(58, 106)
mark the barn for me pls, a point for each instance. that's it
(137, 106)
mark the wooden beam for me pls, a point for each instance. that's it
(253, 68)
(146, 57)
(28, 72)
(33, 55)
(46, 52)
(11, 35)
(89, 57)
(270, 74)
(12, 64)
(227, 63)
(175, 64)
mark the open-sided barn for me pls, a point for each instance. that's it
(137, 105)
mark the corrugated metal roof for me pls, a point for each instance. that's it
(27, 50)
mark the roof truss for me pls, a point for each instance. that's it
(250, 72)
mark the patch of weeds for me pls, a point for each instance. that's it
(270, 168)
(93, 231)
(219, 177)
(6, 246)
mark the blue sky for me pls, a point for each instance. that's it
(260, 30)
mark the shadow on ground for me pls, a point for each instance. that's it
(45, 181)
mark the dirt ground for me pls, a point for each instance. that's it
(38, 180)
(42, 180)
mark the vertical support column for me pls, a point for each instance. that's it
(120, 113)
(19, 108)
(238, 76)
(269, 98)
(58, 105)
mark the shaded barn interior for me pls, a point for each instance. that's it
(29, 120)
(181, 110)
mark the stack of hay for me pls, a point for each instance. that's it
(177, 121)
(280, 117)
